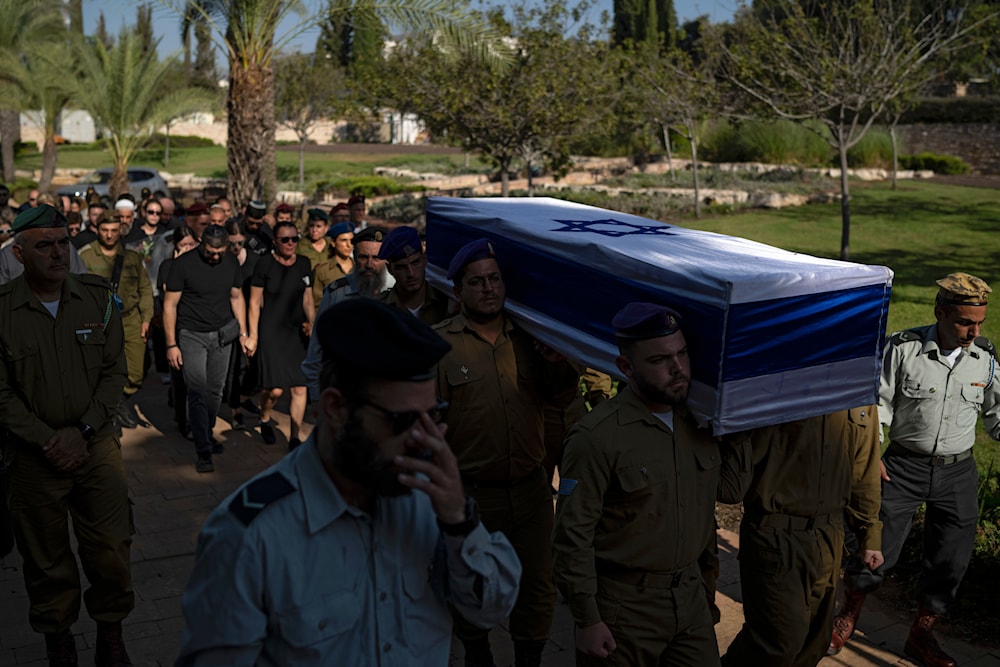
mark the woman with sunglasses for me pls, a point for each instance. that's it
(280, 322)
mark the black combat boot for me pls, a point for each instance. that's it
(478, 653)
(60, 647)
(111, 646)
(528, 653)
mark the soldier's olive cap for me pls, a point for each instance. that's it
(256, 209)
(400, 243)
(639, 321)
(340, 228)
(318, 214)
(42, 216)
(469, 253)
(963, 289)
(369, 233)
(370, 338)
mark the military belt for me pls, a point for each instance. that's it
(643, 580)
(789, 521)
(936, 461)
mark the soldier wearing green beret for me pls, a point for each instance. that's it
(314, 245)
(61, 376)
(108, 258)
(936, 381)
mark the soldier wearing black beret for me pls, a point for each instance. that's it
(639, 482)
(62, 370)
(333, 540)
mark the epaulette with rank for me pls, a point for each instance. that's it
(986, 344)
(906, 336)
(257, 495)
(338, 283)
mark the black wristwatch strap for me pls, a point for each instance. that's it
(87, 431)
(463, 528)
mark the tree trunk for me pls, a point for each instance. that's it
(694, 172)
(50, 154)
(895, 153)
(302, 158)
(505, 177)
(845, 203)
(670, 154)
(527, 167)
(118, 185)
(10, 132)
(166, 147)
(250, 151)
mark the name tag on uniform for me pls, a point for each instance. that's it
(84, 332)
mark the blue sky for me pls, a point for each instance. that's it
(166, 24)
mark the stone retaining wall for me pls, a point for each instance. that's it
(976, 143)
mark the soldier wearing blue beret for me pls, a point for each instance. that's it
(496, 379)
(639, 482)
(403, 252)
(315, 245)
(329, 557)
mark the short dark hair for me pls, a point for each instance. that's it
(181, 233)
(215, 236)
(235, 227)
(284, 223)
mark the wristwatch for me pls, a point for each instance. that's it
(87, 431)
(463, 528)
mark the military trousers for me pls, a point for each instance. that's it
(949, 526)
(135, 351)
(95, 495)
(788, 576)
(523, 512)
(205, 366)
(657, 621)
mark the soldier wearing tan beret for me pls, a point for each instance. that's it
(936, 381)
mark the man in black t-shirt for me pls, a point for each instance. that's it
(203, 315)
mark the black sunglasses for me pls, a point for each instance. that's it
(288, 239)
(399, 422)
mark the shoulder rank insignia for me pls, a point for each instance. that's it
(258, 494)
(907, 336)
(986, 344)
(338, 283)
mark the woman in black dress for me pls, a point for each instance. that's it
(280, 322)
(183, 240)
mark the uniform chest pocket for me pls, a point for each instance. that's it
(320, 621)
(633, 478)
(913, 389)
(972, 394)
(462, 375)
(92, 346)
(24, 360)
(708, 457)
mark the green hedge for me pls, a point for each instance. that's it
(975, 109)
(939, 164)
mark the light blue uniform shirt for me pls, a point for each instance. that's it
(288, 574)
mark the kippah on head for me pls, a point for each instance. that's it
(318, 214)
(469, 253)
(42, 216)
(340, 228)
(639, 321)
(963, 289)
(125, 204)
(400, 243)
(369, 233)
(368, 337)
(215, 235)
(256, 209)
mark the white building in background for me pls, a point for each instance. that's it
(405, 128)
(75, 126)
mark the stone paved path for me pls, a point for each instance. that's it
(172, 501)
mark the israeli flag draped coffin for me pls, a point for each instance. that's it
(773, 335)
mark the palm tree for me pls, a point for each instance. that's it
(46, 81)
(123, 88)
(22, 19)
(247, 32)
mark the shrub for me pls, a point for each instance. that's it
(939, 164)
(369, 186)
(159, 140)
(873, 151)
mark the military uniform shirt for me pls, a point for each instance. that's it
(306, 249)
(134, 287)
(820, 466)
(288, 574)
(58, 372)
(434, 310)
(931, 407)
(636, 497)
(495, 394)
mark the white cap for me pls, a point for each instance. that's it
(125, 204)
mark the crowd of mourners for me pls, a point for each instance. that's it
(420, 504)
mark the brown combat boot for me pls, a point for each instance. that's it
(843, 624)
(111, 646)
(921, 644)
(60, 647)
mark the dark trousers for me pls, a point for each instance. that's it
(95, 495)
(525, 515)
(205, 365)
(789, 583)
(949, 526)
(656, 626)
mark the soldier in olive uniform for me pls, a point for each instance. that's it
(495, 379)
(136, 294)
(61, 375)
(936, 380)
(340, 263)
(808, 475)
(407, 263)
(639, 482)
